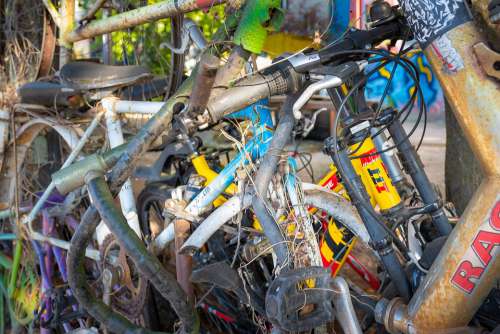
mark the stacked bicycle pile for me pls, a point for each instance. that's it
(227, 239)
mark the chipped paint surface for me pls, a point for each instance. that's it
(474, 98)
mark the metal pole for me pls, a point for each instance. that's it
(137, 17)
(115, 137)
(67, 24)
(107, 45)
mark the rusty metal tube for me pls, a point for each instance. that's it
(205, 77)
(183, 263)
(441, 300)
(157, 124)
(231, 70)
(468, 266)
(137, 17)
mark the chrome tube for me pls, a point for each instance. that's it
(344, 311)
(390, 162)
(336, 206)
(215, 221)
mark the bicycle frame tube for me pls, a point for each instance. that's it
(261, 119)
(126, 195)
(468, 266)
(260, 116)
(137, 17)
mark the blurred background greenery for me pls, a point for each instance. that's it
(144, 45)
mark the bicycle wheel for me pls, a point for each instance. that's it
(36, 279)
(221, 310)
(27, 42)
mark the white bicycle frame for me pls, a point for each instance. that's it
(110, 109)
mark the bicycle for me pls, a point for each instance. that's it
(352, 175)
(282, 78)
(64, 96)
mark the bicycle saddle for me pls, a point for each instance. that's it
(76, 78)
(145, 91)
(85, 75)
(49, 94)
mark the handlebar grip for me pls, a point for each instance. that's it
(252, 89)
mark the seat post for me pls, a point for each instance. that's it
(126, 195)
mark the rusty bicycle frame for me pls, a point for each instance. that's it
(468, 266)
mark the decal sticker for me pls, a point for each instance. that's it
(481, 253)
(369, 157)
(378, 180)
(430, 19)
(331, 182)
(445, 51)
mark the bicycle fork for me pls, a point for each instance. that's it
(413, 166)
(381, 240)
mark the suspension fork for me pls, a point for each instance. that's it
(381, 240)
(393, 167)
(414, 167)
(468, 266)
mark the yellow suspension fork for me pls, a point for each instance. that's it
(338, 241)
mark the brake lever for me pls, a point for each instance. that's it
(335, 76)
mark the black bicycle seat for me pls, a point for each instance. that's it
(145, 91)
(85, 75)
(49, 94)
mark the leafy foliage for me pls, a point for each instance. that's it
(145, 44)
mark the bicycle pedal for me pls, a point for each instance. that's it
(300, 299)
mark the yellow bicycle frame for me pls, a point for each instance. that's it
(202, 168)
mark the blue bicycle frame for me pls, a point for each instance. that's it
(262, 128)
